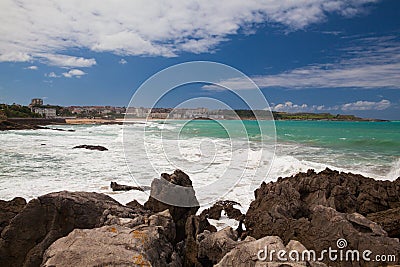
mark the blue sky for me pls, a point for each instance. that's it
(337, 56)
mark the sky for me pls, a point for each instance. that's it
(337, 56)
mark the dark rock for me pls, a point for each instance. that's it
(134, 204)
(195, 225)
(214, 246)
(91, 147)
(214, 212)
(302, 208)
(234, 213)
(8, 210)
(9, 125)
(49, 217)
(389, 220)
(62, 130)
(178, 178)
(174, 188)
(120, 187)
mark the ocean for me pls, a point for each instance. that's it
(36, 162)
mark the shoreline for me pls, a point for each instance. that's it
(329, 204)
(38, 123)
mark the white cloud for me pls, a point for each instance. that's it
(74, 73)
(32, 67)
(289, 106)
(51, 75)
(67, 61)
(367, 105)
(13, 56)
(122, 61)
(367, 63)
(33, 30)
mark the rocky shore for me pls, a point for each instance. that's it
(28, 123)
(308, 211)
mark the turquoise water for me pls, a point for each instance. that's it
(372, 148)
(361, 137)
(35, 162)
(367, 137)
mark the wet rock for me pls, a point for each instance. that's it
(174, 188)
(8, 210)
(47, 218)
(91, 147)
(231, 212)
(120, 187)
(214, 212)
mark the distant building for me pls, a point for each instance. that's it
(45, 111)
(36, 102)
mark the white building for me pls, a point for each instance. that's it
(45, 112)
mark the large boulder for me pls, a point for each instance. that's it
(8, 210)
(213, 246)
(318, 209)
(147, 244)
(253, 252)
(174, 188)
(46, 219)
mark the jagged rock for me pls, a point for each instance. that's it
(389, 220)
(116, 245)
(346, 192)
(195, 225)
(47, 218)
(135, 205)
(91, 147)
(9, 125)
(8, 210)
(251, 252)
(213, 246)
(214, 212)
(120, 187)
(302, 207)
(234, 213)
(174, 188)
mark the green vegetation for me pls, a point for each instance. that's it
(315, 116)
(18, 111)
(249, 114)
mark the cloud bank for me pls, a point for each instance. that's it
(45, 30)
(289, 106)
